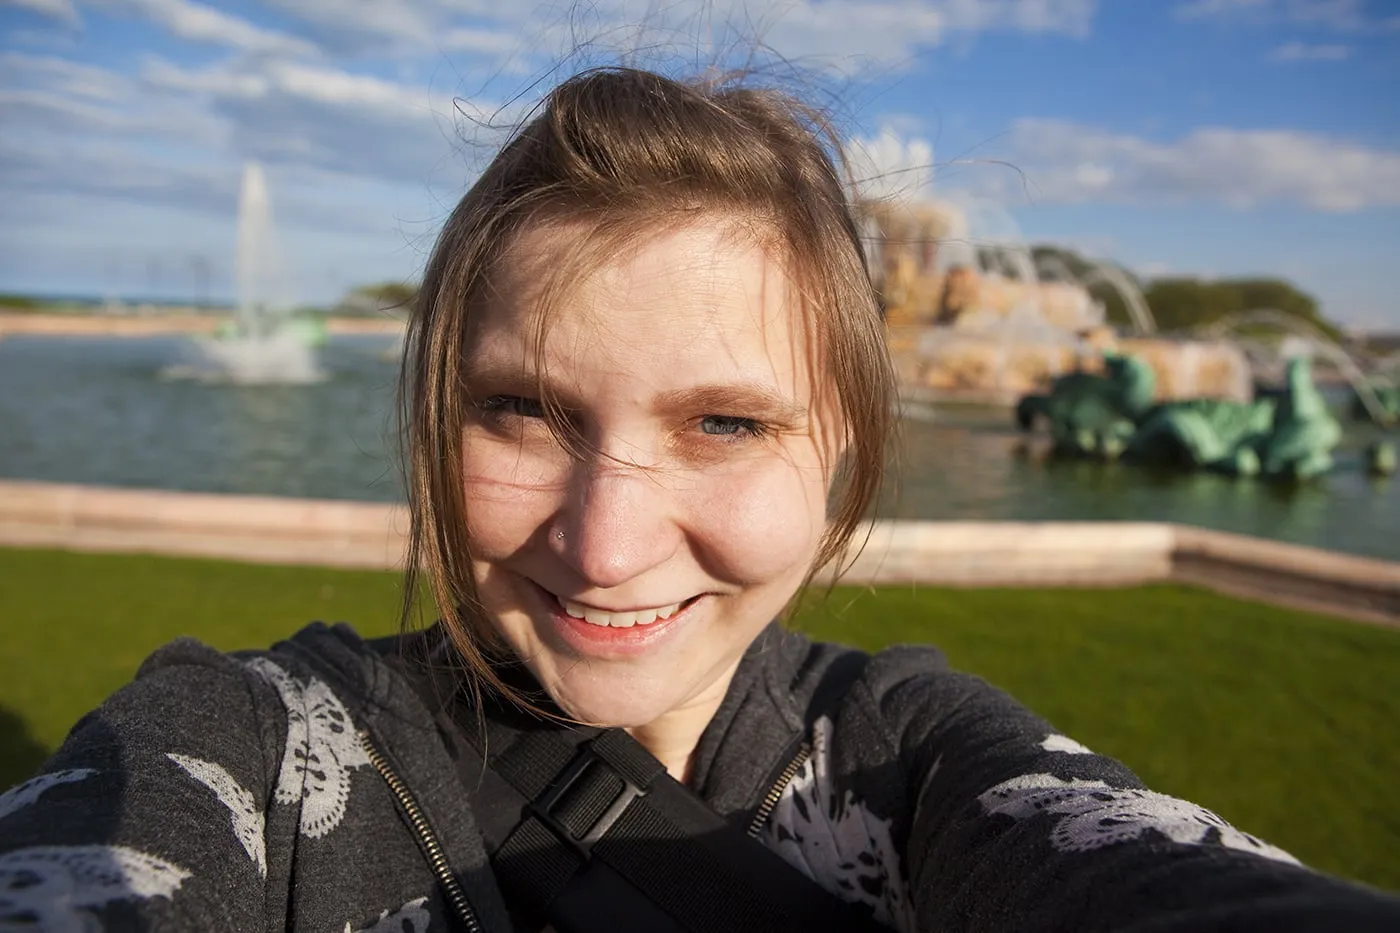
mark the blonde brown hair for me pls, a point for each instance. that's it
(626, 152)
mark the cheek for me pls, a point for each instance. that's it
(509, 493)
(762, 523)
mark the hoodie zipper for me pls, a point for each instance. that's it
(775, 793)
(427, 839)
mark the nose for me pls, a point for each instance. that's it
(618, 523)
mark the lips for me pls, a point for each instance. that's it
(602, 633)
(601, 617)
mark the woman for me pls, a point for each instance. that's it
(647, 398)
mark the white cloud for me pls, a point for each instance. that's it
(220, 80)
(1335, 15)
(1303, 52)
(885, 31)
(286, 104)
(489, 41)
(318, 84)
(122, 136)
(55, 105)
(891, 32)
(124, 171)
(890, 166)
(199, 23)
(295, 113)
(21, 69)
(1068, 17)
(376, 25)
(63, 10)
(56, 110)
(338, 88)
(1064, 162)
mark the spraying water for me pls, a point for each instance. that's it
(258, 259)
(265, 345)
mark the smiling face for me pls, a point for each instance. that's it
(632, 575)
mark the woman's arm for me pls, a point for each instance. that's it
(1015, 827)
(152, 814)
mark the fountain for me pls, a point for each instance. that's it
(265, 343)
(1375, 396)
(1288, 434)
(972, 316)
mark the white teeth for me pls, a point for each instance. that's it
(600, 618)
(617, 619)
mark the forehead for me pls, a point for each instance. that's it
(705, 299)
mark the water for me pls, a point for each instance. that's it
(264, 347)
(280, 358)
(95, 410)
(972, 464)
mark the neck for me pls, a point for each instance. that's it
(673, 737)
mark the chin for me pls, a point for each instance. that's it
(593, 697)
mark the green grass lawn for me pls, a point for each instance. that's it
(1285, 723)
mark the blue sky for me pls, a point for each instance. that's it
(1210, 137)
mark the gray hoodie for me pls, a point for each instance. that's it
(248, 791)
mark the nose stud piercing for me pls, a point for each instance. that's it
(559, 535)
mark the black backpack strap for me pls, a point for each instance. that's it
(588, 832)
(610, 841)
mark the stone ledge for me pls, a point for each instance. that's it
(264, 529)
(1013, 553)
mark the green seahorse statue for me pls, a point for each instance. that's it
(1205, 433)
(1304, 433)
(1289, 435)
(1092, 415)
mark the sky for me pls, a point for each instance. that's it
(1178, 137)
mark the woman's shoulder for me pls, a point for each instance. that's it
(894, 682)
(319, 671)
(316, 639)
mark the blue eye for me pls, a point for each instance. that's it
(730, 426)
(512, 405)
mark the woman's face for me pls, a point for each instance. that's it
(632, 579)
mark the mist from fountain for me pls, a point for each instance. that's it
(979, 232)
(263, 346)
(1107, 274)
(1302, 338)
(992, 320)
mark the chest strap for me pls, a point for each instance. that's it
(604, 838)
(588, 833)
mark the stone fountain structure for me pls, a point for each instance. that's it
(976, 319)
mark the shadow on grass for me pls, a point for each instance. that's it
(20, 753)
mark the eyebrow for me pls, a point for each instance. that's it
(499, 375)
(738, 399)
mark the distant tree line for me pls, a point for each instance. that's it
(394, 298)
(1187, 302)
(11, 302)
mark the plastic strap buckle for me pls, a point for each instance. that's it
(546, 807)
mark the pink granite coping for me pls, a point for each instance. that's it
(267, 529)
(263, 529)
